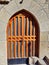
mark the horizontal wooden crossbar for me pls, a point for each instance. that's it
(20, 38)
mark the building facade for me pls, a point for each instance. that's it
(25, 11)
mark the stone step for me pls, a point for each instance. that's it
(46, 60)
(36, 61)
(40, 63)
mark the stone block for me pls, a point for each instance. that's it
(44, 36)
(43, 49)
(44, 26)
(2, 30)
(3, 52)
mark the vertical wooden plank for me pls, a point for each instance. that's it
(30, 28)
(18, 35)
(30, 37)
(15, 26)
(15, 37)
(27, 39)
(11, 38)
(23, 36)
(20, 21)
(34, 42)
(24, 25)
(8, 43)
(27, 27)
(18, 25)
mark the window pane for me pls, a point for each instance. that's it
(16, 25)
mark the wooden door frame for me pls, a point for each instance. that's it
(37, 30)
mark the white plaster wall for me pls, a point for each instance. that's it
(14, 6)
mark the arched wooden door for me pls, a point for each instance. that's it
(22, 36)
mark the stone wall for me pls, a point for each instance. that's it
(39, 9)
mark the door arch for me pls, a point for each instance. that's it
(23, 35)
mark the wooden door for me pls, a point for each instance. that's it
(21, 36)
